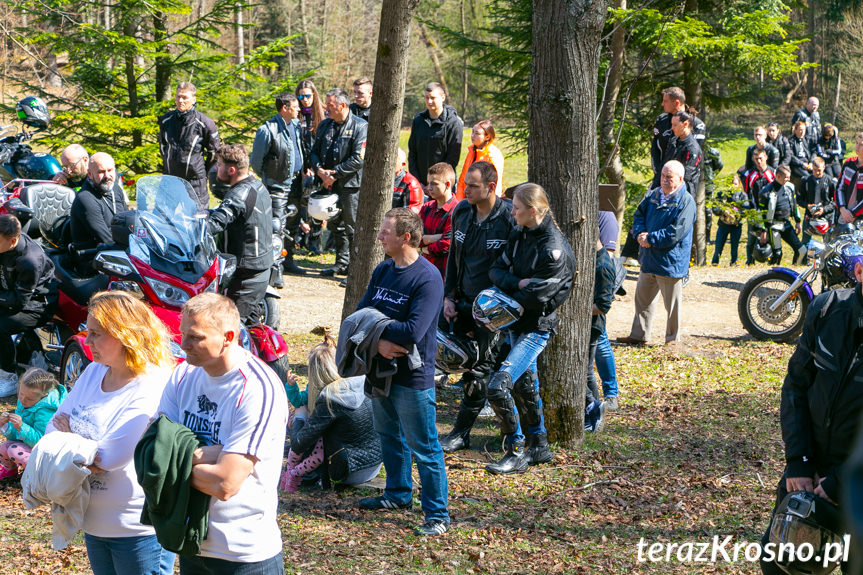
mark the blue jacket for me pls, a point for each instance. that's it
(35, 419)
(669, 232)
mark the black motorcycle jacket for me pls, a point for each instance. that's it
(822, 396)
(341, 147)
(360, 112)
(772, 157)
(474, 248)
(246, 218)
(662, 133)
(273, 152)
(786, 202)
(817, 191)
(783, 147)
(800, 154)
(687, 152)
(543, 255)
(813, 122)
(26, 278)
(187, 143)
(434, 140)
(91, 214)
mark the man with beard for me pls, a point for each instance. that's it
(75, 162)
(96, 203)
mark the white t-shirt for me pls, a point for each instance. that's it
(245, 411)
(115, 420)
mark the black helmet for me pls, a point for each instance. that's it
(762, 252)
(455, 353)
(495, 310)
(804, 519)
(33, 112)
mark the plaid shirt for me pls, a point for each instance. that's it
(437, 221)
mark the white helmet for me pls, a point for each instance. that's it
(323, 205)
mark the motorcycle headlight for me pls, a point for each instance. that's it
(171, 295)
(176, 350)
(131, 287)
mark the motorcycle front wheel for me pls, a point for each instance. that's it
(785, 323)
(72, 365)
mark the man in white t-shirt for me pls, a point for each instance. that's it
(235, 403)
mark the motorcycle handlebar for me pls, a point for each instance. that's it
(93, 251)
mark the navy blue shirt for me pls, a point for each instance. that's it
(413, 297)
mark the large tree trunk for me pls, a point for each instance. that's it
(376, 190)
(562, 157)
(162, 63)
(693, 86)
(609, 147)
(129, 30)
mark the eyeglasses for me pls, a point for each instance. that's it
(71, 167)
(304, 96)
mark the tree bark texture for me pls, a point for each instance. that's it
(609, 148)
(376, 190)
(562, 157)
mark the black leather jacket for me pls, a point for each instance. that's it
(474, 248)
(187, 143)
(341, 147)
(800, 154)
(346, 424)
(246, 218)
(26, 278)
(434, 140)
(543, 255)
(662, 134)
(687, 152)
(272, 155)
(822, 396)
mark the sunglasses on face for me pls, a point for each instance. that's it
(304, 96)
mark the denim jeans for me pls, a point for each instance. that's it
(197, 565)
(723, 231)
(605, 365)
(405, 420)
(126, 555)
(526, 347)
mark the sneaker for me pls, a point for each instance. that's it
(432, 528)
(595, 420)
(381, 502)
(8, 383)
(611, 403)
(631, 263)
(487, 412)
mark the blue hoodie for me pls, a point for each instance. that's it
(34, 419)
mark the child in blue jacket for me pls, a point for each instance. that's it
(39, 397)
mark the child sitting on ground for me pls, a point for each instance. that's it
(39, 397)
(300, 464)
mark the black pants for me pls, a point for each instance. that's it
(342, 225)
(247, 289)
(630, 247)
(14, 324)
(591, 394)
(200, 187)
(789, 236)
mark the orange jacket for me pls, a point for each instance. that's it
(490, 154)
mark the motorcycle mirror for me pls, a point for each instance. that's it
(228, 265)
(114, 263)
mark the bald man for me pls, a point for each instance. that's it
(75, 161)
(99, 198)
(663, 227)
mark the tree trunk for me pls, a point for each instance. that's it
(464, 63)
(432, 48)
(162, 63)
(562, 157)
(376, 190)
(241, 43)
(810, 72)
(693, 87)
(129, 30)
(836, 97)
(305, 31)
(699, 246)
(609, 148)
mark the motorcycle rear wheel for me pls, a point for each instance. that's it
(72, 364)
(758, 294)
(272, 312)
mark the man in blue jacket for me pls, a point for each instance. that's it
(663, 227)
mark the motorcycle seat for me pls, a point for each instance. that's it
(77, 287)
(49, 203)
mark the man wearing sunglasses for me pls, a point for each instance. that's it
(75, 161)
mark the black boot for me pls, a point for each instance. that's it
(459, 437)
(538, 451)
(514, 461)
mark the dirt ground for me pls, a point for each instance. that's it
(709, 305)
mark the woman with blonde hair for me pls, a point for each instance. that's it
(112, 403)
(482, 149)
(340, 415)
(536, 270)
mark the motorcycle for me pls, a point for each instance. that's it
(162, 252)
(772, 305)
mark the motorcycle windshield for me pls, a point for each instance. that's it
(170, 234)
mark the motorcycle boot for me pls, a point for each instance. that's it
(471, 405)
(502, 402)
(514, 461)
(538, 450)
(530, 408)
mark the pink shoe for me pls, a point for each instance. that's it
(6, 473)
(293, 481)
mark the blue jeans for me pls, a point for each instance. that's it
(605, 365)
(723, 231)
(526, 347)
(197, 565)
(405, 420)
(128, 556)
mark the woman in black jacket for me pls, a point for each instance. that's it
(341, 415)
(536, 270)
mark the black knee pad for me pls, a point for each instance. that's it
(528, 399)
(475, 387)
(504, 408)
